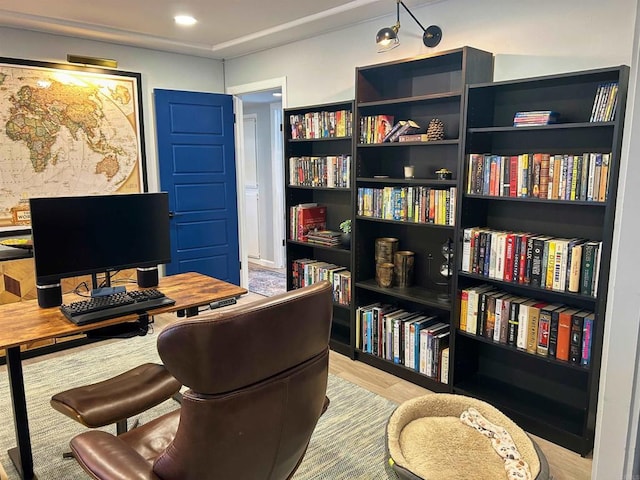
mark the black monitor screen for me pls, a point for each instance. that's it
(98, 233)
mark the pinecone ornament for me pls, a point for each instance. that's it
(435, 131)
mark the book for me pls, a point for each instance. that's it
(440, 341)
(405, 127)
(535, 117)
(414, 137)
(309, 219)
(545, 321)
(472, 308)
(444, 365)
(564, 333)
(575, 264)
(575, 343)
(554, 311)
(523, 323)
(587, 339)
(490, 314)
(362, 332)
(589, 253)
(513, 322)
(505, 315)
(532, 336)
(432, 332)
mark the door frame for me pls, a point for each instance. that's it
(278, 174)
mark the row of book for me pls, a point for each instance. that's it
(535, 117)
(560, 264)
(403, 130)
(583, 177)
(375, 128)
(333, 171)
(417, 340)
(322, 124)
(605, 102)
(328, 238)
(411, 204)
(305, 218)
(307, 271)
(549, 330)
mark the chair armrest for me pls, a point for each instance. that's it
(106, 457)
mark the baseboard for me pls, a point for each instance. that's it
(263, 263)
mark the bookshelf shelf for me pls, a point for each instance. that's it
(436, 97)
(402, 222)
(427, 182)
(322, 139)
(307, 187)
(432, 143)
(551, 398)
(418, 295)
(553, 295)
(577, 203)
(307, 157)
(342, 250)
(535, 128)
(402, 372)
(519, 351)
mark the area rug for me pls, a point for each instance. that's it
(265, 281)
(348, 442)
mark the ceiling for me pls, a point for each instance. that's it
(224, 29)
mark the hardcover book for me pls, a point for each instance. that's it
(564, 333)
(575, 344)
(587, 338)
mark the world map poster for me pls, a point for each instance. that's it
(66, 132)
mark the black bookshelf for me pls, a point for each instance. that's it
(547, 397)
(419, 89)
(320, 137)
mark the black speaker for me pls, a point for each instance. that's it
(49, 295)
(147, 277)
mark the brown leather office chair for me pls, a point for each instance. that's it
(257, 379)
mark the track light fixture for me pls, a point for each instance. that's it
(387, 38)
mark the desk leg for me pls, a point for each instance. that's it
(21, 456)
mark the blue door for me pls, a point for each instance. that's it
(196, 157)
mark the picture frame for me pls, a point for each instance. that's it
(67, 130)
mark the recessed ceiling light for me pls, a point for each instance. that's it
(186, 20)
(277, 94)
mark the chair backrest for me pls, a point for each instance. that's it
(257, 378)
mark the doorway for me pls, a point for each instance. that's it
(259, 109)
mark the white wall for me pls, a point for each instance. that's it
(528, 38)
(158, 70)
(617, 434)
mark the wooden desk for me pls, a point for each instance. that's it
(24, 323)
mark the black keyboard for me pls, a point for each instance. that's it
(109, 306)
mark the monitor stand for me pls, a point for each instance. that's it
(97, 291)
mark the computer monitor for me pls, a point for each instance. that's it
(98, 234)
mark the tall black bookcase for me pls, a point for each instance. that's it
(418, 89)
(321, 131)
(552, 398)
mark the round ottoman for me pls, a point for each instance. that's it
(427, 440)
